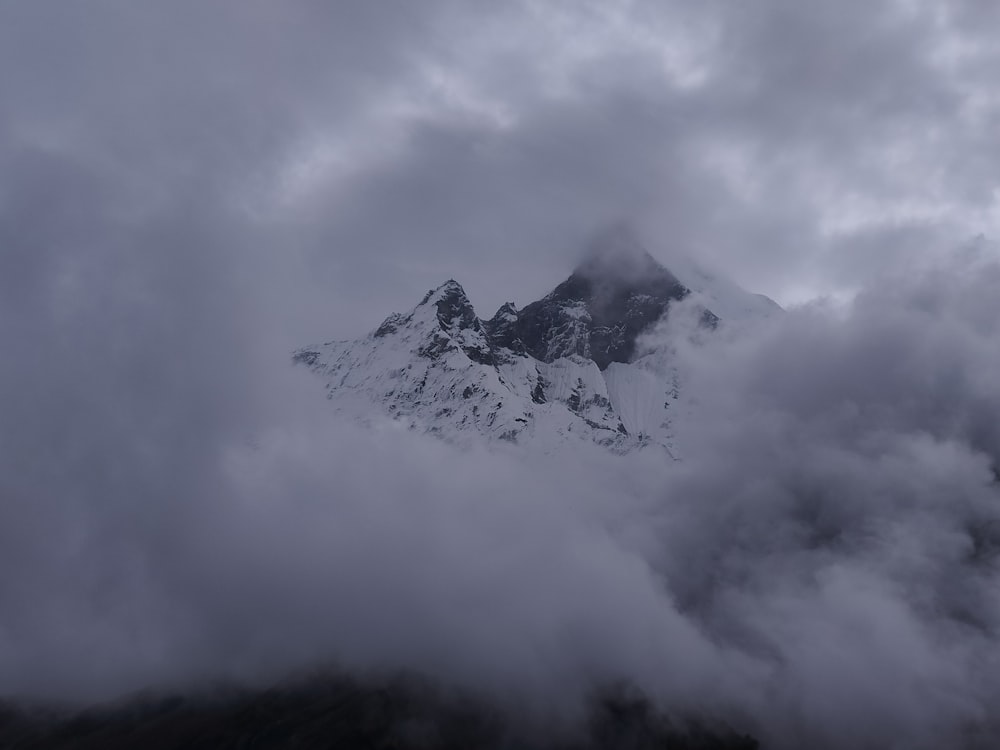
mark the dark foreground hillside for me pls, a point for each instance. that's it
(343, 713)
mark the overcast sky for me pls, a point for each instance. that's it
(346, 156)
(191, 189)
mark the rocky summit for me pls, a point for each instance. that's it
(566, 367)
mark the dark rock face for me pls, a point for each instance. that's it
(503, 330)
(614, 316)
(617, 293)
(390, 325)
(598, 312)
(306, 357)
(437, 346)
(457, 317)
(454, 310)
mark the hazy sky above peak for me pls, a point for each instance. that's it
(343, 157)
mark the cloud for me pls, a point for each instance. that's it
(789, 143)
(836, 509)
(190, 191)
(819, 569)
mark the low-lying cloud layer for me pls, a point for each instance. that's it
(821, 568)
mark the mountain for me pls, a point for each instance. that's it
(567, 367)
(618, 292)
(326, 710)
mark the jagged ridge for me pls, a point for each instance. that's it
(561, 368)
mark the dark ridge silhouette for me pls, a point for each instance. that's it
(341, 712)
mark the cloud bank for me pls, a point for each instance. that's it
(373, 153)
(820, 568)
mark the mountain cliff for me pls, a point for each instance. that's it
(566, 367)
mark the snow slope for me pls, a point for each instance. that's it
(434, 370)
(563, 369)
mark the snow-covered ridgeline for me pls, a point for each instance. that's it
(563, 369)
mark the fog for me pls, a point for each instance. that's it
(189, 191)
(821, 566)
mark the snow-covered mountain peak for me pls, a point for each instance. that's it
(563, 368)
(442, 322)
(440, 369)
(617, 292)
(451, 306)
(507, 313)
(450, 289)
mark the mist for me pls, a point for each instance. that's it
(189, 192)
(820, 567)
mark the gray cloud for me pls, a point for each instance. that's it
(819, 568)
(776, 141)
(842, 507)
(191, 190)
